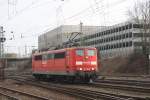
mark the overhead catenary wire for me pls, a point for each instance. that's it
(84, 16)
(30, 36)
(86, 10)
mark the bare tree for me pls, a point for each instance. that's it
(140, 14)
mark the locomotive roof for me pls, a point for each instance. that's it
(59, 50)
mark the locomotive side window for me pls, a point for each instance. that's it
(38, 57)
(59, 55)
(50, 56)
(44, 57)
(79, 52)
(91, 52)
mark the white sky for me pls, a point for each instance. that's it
(30, 18)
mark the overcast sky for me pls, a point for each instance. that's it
(27, 19)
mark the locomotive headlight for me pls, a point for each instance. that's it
(80, 68)
(79, 62)
(92, 68)
(93, 62)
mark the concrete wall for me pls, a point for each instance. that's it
(14, 66)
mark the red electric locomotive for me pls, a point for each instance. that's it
(69, 63)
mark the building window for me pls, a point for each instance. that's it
(116, 29)
(96, 34)
(120, 45)
(104, 32)
(130, 26)
(124, 45)
(119, 28)
(137, 26)
(101, 47)
(123, 36)
(111, 38)
(111, 47)
(106, 39)
(130, 43)
(126, 27)
(99, 34)
(127, 35)
(111, 30)
(130, 34)
(108, 31)
(117, 45)
(127, 44)
(119, 37)
(99, 41)
(123, 28)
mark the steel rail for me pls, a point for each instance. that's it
(125, 82)
(9, 96)
(121, 87)
(23, 93)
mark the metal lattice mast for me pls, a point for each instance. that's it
(2, 40)
(81, 34)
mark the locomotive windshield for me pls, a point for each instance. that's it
(91, 52)
(79, 52)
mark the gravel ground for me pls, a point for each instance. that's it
(3, 98)
(52, 95)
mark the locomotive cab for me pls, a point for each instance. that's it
(86, 62)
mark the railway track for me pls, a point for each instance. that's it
(79, 92)
(14, 94)
(121, 87)
(8, 96)
(125, 82)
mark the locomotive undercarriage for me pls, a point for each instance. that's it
(86, 76)
(79, 76)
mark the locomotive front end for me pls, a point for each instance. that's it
(86, 63)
